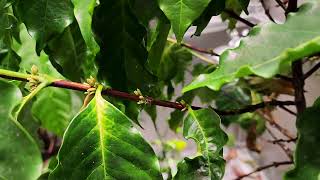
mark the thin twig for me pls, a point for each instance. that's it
(237, 17)
(251, 108)
(267, 11)
(282, 130)
(288, 110)
(311, 71)
(205, 51)
(282, 140)
(281, 5)
(285, 149)
(274, 164)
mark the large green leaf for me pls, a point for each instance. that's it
(19, 153)
(101, 143)
(307, 154)
(123, 55)
(269, 49)
(74, 63)
(83, 11)
(8, 27)
(203, 126)
(45, 18)
(182, 13)
(54, 109)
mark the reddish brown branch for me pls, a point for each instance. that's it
(151, 101)
(274, 164)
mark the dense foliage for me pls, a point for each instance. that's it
(118, 47)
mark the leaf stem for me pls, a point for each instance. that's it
(16, 75)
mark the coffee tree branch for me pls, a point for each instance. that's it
(132, 97)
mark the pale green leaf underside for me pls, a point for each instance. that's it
(182, 13)
(307, 154)
(20, 157)
(101, 143)
(268, 50)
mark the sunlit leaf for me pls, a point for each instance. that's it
(45, 18)
(203, 126)
(182, 13)
(269, 49)
(101, 143)
(83, 11)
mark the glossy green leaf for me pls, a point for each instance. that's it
(45, 18)
(59, 100)
(307, 154)
(101, 143)
(269, 49)
(123, 55)
(19, 153)
(182, 13)
(69, 54)
(203, 126)
(8, 27)
(191, 169)
(83, 11)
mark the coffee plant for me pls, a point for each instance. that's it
(75, 74)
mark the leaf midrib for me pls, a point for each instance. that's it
(99, 110)
(204, 137)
